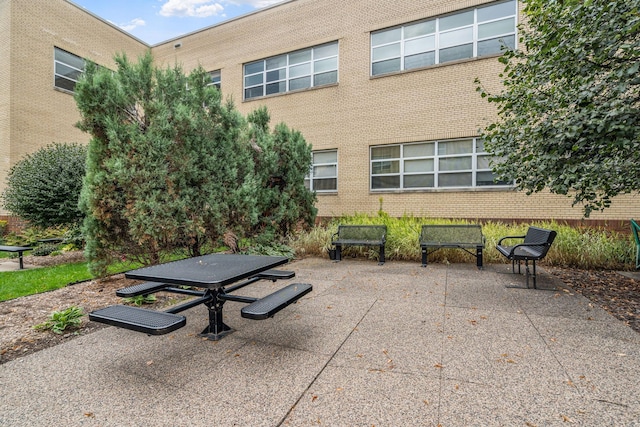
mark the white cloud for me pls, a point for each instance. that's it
(192, 8)
(133, 24)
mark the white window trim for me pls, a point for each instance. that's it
(310, 178)
(437, 35)
(56, 75)
(474, 170)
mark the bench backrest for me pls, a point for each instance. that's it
(376, 233)
(464, 234)
(539, 240)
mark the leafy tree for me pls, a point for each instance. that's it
(568, 115)
(43, 188)
(170, 166)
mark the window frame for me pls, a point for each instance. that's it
(277, 70)
(438, 40)
(57, 75)
(310, 179)
(437, 172)
(215, 77)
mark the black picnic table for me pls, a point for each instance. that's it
(218, 275)
(18, 249)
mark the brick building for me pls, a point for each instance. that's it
(383, 90)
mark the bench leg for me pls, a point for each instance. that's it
(381, 259)
(479, 257)
(424, 256)
(338, 253)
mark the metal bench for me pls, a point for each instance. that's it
(535, 246)
(635, 229)
(18, 249)
(360, 235)
(458, 236)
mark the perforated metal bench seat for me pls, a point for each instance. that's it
(276, 275)
(271, 304)
(145, 288)
(139, 319)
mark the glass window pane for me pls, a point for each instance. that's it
(387, 36)
(327, 184)
(419, 150)
(254, 67)
(300, 56)
(276, 62)
(418, 181)
(256, 79)
(497, 45)
(487, 178)
(301, 83)
(456, 37)
(330, 49)
(69, 58)
(63, 83)
(496, 11)
(324, 171)
(325, 157)
(68, 72)
(325, 65)
(497, 28)
(455, 53)
(384, 167)
(388, 51)
(483, 162)
(461, 146)
(325, 78)
(457, 20)
(300, 70)
(424, 165)
(276, 75)
(454, 180)
(423, 44)
(392, 152)
(479, 146)
(384, 182)
(454, 163)
(276, 87)
(420, 29)
(420, 60)
(253, 92)
(384, 67)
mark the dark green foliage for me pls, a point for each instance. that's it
(170, 166)
(569, 115)
(44, 187)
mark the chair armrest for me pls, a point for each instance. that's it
(509, 237)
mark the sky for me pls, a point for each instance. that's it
(155, 21)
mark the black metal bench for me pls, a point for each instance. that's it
(360, 235)
(163, 322)
(534, 247)
(454, 236)
(18, 249)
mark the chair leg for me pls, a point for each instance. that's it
(526, 267)
(534, 275)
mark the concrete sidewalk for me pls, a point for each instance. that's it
(391, 345)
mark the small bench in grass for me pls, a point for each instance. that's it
(456, 236)
(360, 235)
(534, 247)
(18, 249)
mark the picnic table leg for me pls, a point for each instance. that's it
(217, 329)
(20, 257)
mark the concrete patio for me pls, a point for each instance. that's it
(391, 345)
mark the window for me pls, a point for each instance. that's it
(215, 79)
(302, 69)
(67, 69)
(467, 34)
(458, 163)
(323, 176)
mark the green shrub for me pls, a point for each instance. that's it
(44, 250)
(43, 188)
